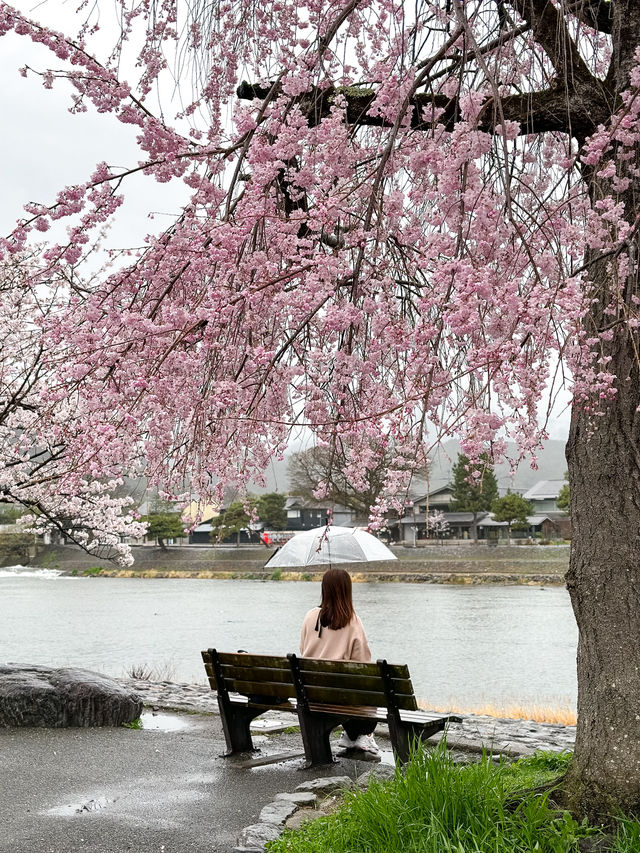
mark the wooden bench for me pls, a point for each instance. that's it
(323, 693)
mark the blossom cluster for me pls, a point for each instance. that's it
(394, 276)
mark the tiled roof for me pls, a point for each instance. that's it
(544, 490)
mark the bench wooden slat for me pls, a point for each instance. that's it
(241, 699)
(355, 682)
(341, 696)
(351, 667)
(257, 673)
(368, 712)
(240, 659)
(427, 717)
(264, 688)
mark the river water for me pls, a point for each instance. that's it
(464, 645)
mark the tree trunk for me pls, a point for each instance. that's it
(475, 527)
(603, 455)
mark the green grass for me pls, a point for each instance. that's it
(437, 806)
(134, 724)
(92, 571)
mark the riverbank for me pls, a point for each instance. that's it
(464, 563)
(357, 577)
(476, 732)
(165, 787)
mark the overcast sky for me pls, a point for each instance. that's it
(44, 148)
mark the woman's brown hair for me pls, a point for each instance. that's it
(336, 609)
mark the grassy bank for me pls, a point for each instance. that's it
(438, 806)
(561, 715)
(371, 576)
(464, 564)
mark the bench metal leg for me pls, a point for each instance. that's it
(236, 722)
(405, 735)
(315, 730)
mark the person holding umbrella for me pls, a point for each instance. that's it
(333, 631)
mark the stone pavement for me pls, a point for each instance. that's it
(475, 733)
(164, 788)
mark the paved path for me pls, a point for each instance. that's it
(165, 789)
(115, 790)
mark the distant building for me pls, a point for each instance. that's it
(413, 524)
(544, 495)
(546, 521)
(303, 514)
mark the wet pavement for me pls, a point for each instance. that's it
(166, 789)
(150, 790)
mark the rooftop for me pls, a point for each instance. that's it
(544, 490)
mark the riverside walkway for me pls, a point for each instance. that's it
(164, 788)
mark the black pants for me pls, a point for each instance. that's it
(359, 727)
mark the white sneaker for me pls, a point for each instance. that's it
(345, 741)
(367, 744)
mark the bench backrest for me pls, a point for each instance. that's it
(235, 672)
(336, 682)
(327, 682)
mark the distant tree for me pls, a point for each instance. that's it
(563, 499)
(232, 520)
(474, 488)
(437, 524)
(352, 479)
(511, 508)
(271, 510)
(164, 525)
(9, 513)
(15, 547)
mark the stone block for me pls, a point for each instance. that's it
(277, 812)
(300, 798)
(326, 785)
(258, 834)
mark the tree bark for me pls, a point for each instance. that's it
(603, 455)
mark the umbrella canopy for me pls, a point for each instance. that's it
(330, 545)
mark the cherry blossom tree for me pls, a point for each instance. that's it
(39, 415)
(406, 222)
(437, 525)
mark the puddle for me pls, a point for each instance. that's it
(83, 807)
(163, 722)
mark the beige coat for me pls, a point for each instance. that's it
(348, 643)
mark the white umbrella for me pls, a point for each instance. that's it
(330, 545)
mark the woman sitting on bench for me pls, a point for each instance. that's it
(334, 631)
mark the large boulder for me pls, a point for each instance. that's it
(57, 698)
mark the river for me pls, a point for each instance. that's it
(464, 645)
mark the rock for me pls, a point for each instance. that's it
(301, 798)
(59, 698)
(380, 771)
(277, 812)
(326, 785)
(257, 835)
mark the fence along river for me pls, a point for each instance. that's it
(465, 645)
